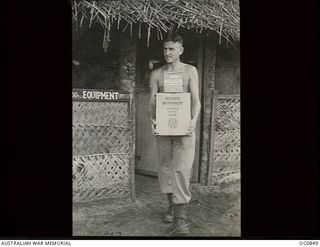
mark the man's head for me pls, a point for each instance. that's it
(172, 48)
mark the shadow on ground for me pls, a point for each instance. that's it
(213, 211)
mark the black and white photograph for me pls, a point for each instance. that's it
(156, 118)
(151, 120)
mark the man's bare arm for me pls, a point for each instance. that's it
(153, 93)
(152, 102)
(194, 89)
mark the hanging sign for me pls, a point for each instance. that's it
(99, 95)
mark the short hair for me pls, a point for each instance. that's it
(174, 37)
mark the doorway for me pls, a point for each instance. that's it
(148, 59)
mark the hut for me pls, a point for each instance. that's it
(116, 44)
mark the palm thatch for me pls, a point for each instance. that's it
(221, 16)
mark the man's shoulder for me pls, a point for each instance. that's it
(157, 71)
(189, 67)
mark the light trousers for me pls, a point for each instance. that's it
(176, 156)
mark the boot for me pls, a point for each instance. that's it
(180, 216)
(168, 217)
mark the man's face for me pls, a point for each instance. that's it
(172, 51)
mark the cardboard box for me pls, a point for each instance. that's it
(173, 114)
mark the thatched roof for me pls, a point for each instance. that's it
(163, 16)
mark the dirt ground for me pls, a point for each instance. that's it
(213, 211)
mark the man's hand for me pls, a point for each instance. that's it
(153, 126)
(192, 126)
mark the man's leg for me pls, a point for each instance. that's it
(183, 157)
(168, 217)
(164, 145)
(165, 155)
(180, 226)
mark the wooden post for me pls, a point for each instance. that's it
(207, 94)
(132, 120)
(197, 156)
(212, 136)
(127, 62)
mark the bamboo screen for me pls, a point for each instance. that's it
(102, 150)
(226, 156)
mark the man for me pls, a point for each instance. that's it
(176, 153)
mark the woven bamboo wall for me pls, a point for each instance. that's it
(226, 148)
(102, 150)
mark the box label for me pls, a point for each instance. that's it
(173, 113)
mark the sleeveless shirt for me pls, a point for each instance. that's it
(185, 81)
